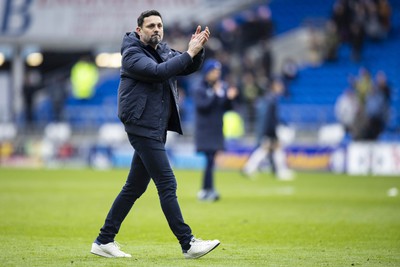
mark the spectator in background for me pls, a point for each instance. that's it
(57, 91)
(382, 84)
(250, 92)
(347, 108)
(267, 141)
(341, 16)
(212, 98)
(84, 77)
(363, 84)
(267, 59)
(357, 32)
(289, 73)
(357, 41)
(357, 20)
(384, 14)
(32, 83)
(372, 24)
(377, 107)
(379, 16)
(332, 41)
(257, 27)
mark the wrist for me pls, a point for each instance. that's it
(191, 53)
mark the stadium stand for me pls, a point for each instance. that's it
(312, 94)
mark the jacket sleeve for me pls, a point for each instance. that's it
(140, 66)
(196, 64)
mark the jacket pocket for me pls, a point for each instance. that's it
(137, 108)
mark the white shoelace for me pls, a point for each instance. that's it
(118, 245)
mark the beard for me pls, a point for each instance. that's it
(155, 40)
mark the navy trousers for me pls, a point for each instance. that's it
(208, 175)
(149, 161)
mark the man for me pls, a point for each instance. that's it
(212, 98)
(148, 107)
(267, 140)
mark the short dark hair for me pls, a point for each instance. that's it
(146, 14)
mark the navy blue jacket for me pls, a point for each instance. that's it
(147, 93)
(210, 110)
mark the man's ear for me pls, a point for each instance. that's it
(138, 30)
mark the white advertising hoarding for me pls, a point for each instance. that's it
(359, 158)
(386, 159)
(373, 158)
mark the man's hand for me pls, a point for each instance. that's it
(198, 30)
(199, 38)
(232, 93)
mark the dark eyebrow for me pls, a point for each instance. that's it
(154, 24)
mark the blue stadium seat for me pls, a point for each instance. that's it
(314, 92)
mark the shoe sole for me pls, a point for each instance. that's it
(99, 252)
(203, 253)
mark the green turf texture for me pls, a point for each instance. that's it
(51, 217)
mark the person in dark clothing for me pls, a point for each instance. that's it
(377, 108)
(31, 85)
(267, 139)
(267, 60)
(382, 84)
(58, 93)
(148, 107)
(212, 98)
(356, 40)
(271, 122)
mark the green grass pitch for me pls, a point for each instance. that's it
(51, 217)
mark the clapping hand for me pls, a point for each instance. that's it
(197, 41)
(232, 93)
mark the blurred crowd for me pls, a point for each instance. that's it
(363, 108)
(353, 21)
(233, 42)
(233, 39)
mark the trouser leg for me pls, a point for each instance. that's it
(208, 175)
(136, 184)
(154, 157)
(254, 160)
(271, 160)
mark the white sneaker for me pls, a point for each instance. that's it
(209, 195)
(109, 250)
(199, 248)
(285, 175)
(202, 194)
